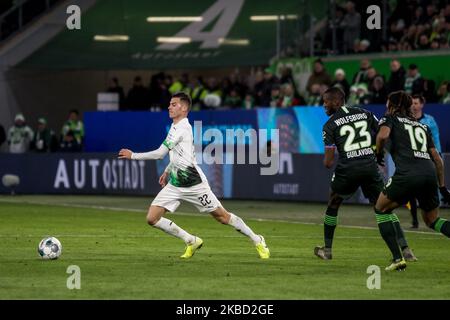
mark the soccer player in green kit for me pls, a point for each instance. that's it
(350, 131)
(419, 171)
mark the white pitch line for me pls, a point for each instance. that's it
(187, 214)
(203, 236)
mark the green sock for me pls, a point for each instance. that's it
(329, 225)
(388, 233)
(442, 226)
(401, 240)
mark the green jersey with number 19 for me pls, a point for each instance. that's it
(183, 169)
(410, 141)
(351, 131)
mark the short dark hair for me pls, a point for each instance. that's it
(412, 66)
(184, 97)
(420, 97)
(335, 93)
(74, 111)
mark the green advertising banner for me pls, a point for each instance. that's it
(147, 34)
(431, 65)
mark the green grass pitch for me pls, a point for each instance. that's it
(121, 257)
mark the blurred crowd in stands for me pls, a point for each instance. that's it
(262, 89)
(419, 25)
(411, 25)
(265, 89)
(22, 138)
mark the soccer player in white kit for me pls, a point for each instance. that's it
(186, 182)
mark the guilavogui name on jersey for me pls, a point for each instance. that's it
(359, 153)
(350, 118)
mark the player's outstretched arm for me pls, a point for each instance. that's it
(439, 163)
(328, 159)
(125, 154)
(382, 137)
(157, 154)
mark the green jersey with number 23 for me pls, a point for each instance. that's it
(351, 131)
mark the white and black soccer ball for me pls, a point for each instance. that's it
(50, 248)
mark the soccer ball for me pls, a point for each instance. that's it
(50, 248)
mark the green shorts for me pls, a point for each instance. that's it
(401, 189)
(346, 183)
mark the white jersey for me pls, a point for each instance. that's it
(183, 167)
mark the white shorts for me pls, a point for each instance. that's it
(200, 195)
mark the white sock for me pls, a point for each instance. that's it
(171, 228)
(240, 226)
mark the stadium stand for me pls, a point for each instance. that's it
(95, 123)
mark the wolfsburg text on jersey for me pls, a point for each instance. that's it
(412, 122)
(350, 118)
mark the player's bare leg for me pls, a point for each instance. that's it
(155, 218)
(433, 221)
(225, 217)
(383, 211)
(329, 225)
